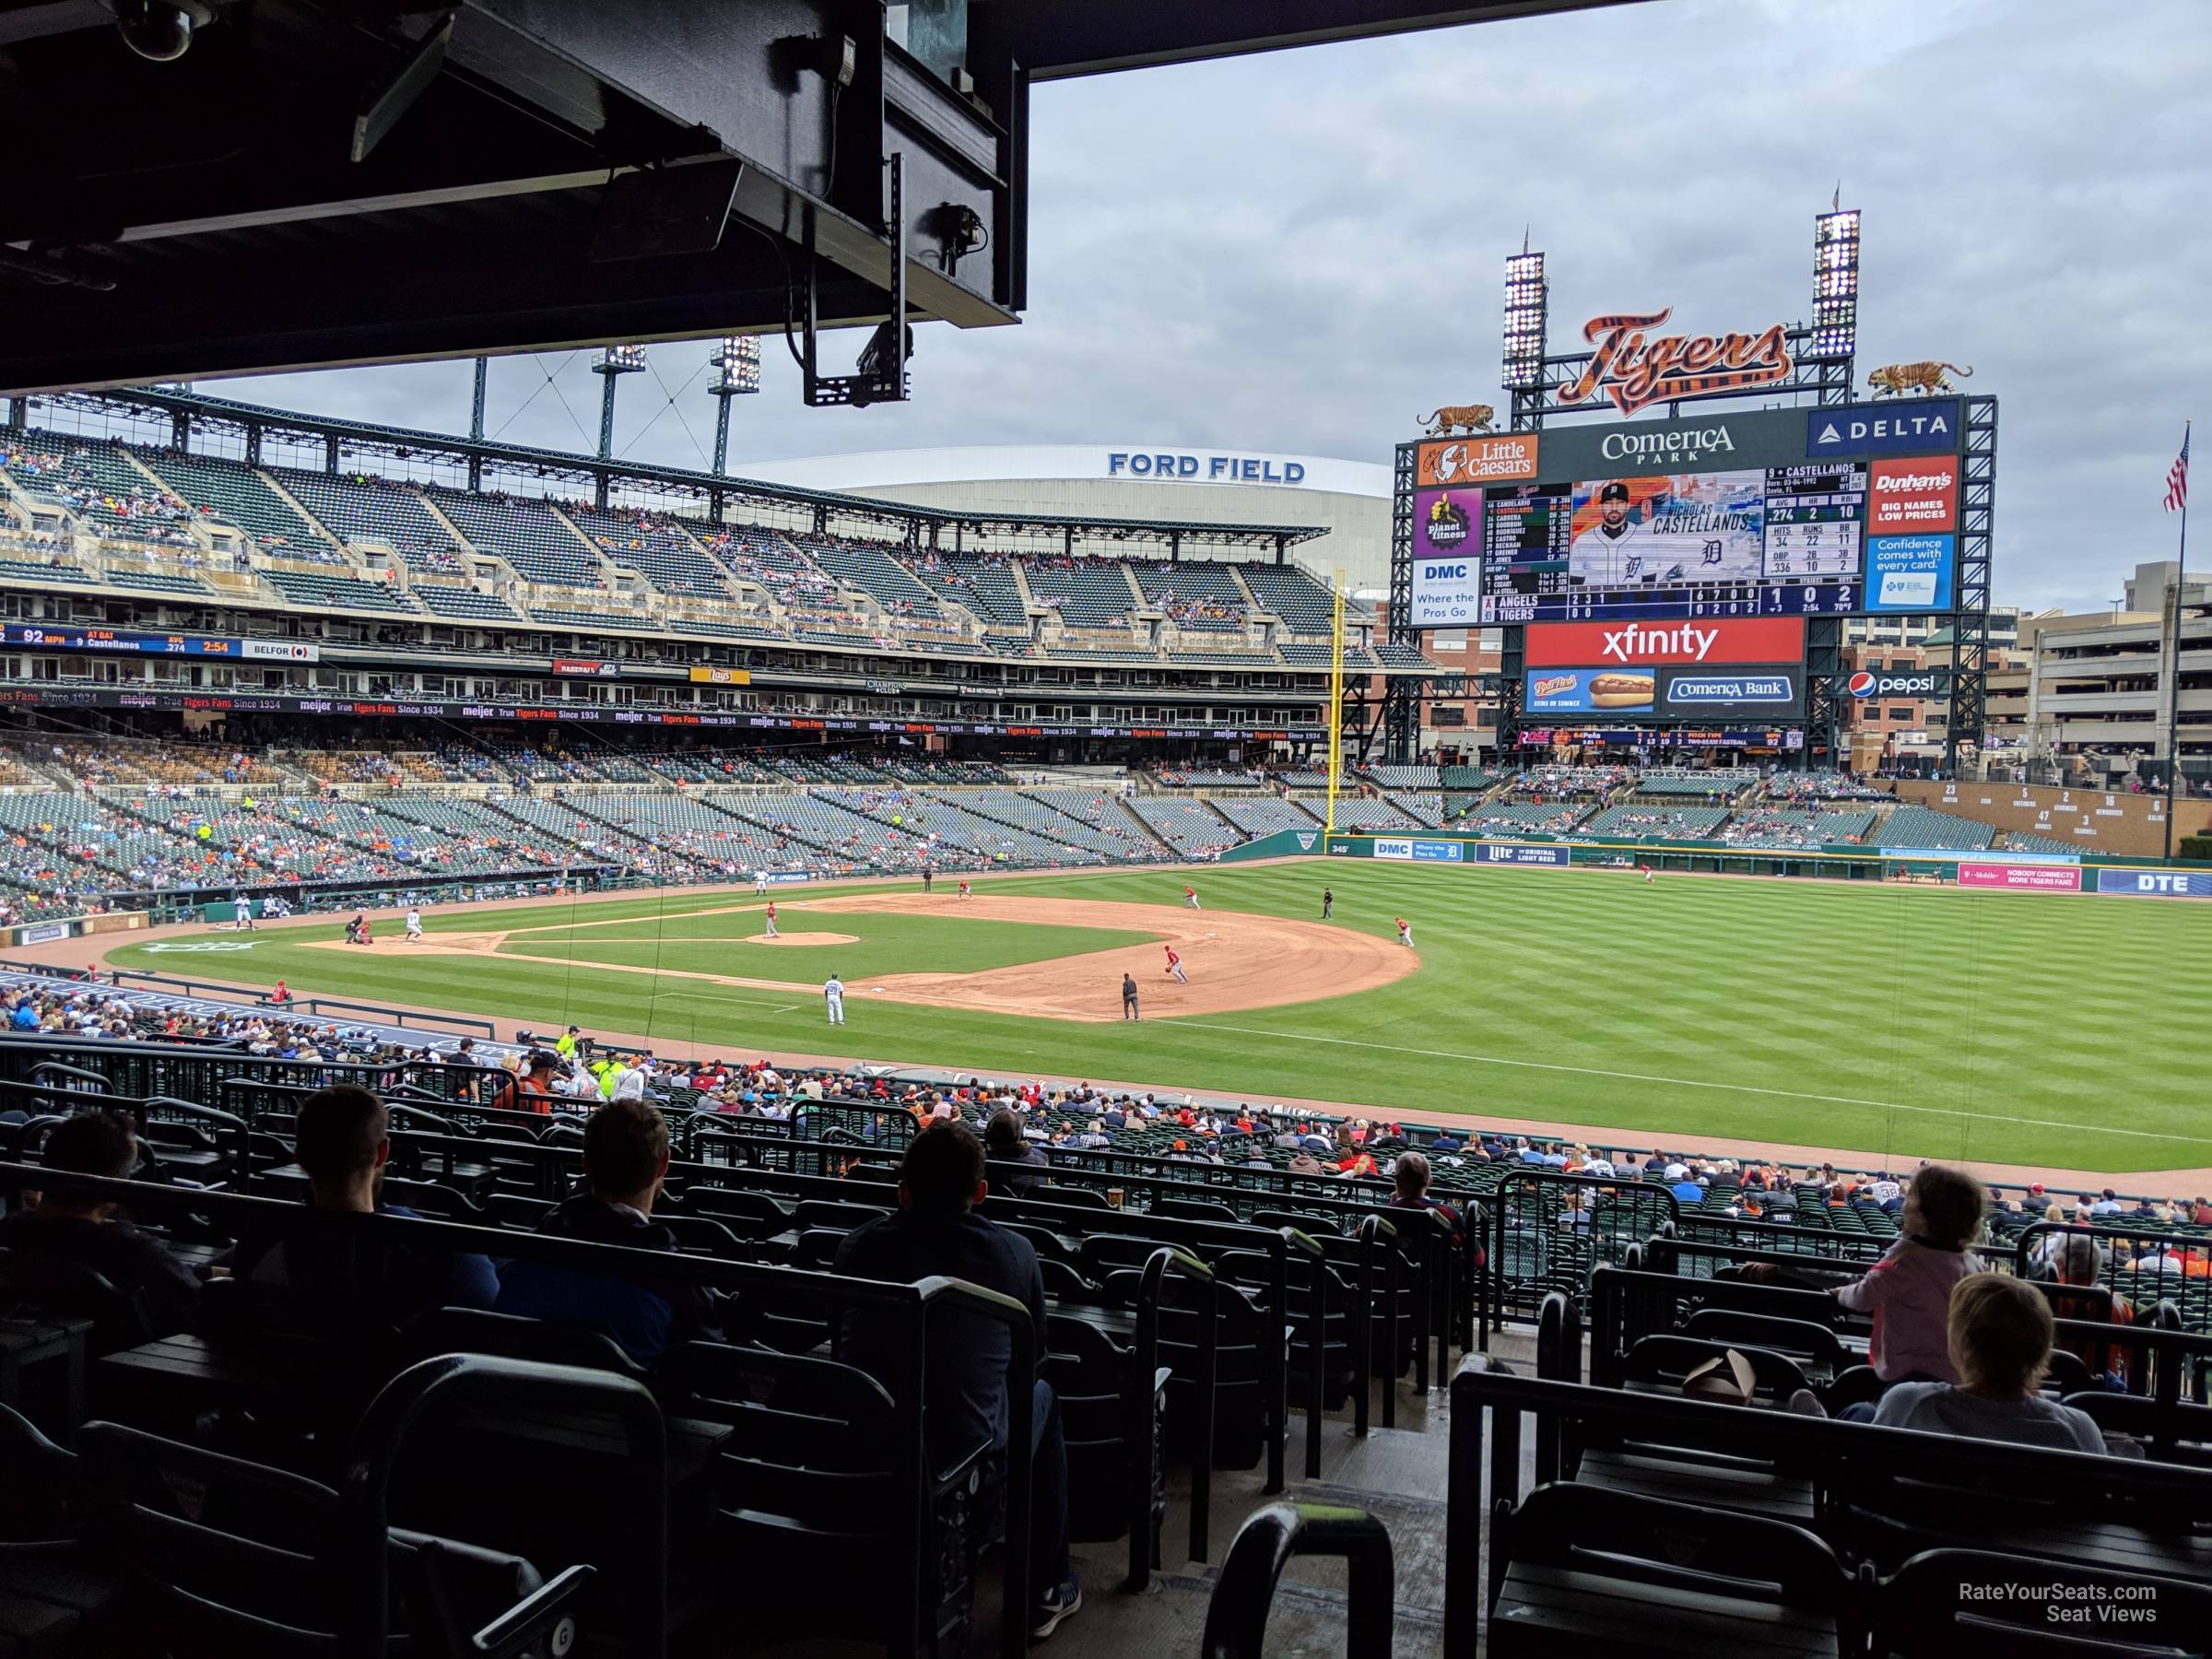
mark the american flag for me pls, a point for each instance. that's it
(2177, 478)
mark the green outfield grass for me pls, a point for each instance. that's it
(1904, 1022)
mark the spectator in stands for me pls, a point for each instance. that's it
(624, 1162)
(85, 1229)
(936, 1231)
(1004, 1143)
(1999, 1330)
(1409, 1191)
(2109, 1205)
(2079, 1261)
(1909, 1290)
(342, 1141)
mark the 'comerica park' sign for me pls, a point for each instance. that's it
(254, 702)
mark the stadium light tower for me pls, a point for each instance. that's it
(1836, 284)
(614, 362)
(1528, 308)
(739, 360)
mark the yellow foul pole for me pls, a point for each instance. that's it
(1336, 702)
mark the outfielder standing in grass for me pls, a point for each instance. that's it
(1175, 965)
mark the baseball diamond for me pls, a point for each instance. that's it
(1582, 996)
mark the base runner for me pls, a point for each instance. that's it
(1175, 966)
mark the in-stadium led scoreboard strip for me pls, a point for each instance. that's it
(1849, 510)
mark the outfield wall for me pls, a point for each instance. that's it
(1994, 869)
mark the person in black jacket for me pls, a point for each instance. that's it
(936, 1231)
(625, 1159)
(1004, 1143)
(86, 1230)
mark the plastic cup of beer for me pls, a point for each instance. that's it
(1114, 1197)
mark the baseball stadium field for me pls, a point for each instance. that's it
(1898, 1021)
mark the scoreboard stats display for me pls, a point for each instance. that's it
(1772, 513)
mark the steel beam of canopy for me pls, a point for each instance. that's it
(1056, 40)
(569, 171)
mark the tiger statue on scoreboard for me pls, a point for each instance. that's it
(1474, 417)
(1896, 379)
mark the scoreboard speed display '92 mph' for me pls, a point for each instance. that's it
(1839, 512)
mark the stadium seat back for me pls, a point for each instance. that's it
(33, 1283)
(511, 1337)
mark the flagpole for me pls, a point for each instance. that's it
(2174, 686)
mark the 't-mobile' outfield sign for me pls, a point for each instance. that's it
(2020, 877)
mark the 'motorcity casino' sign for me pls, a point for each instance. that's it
(1635, 368)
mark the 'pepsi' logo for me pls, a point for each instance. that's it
(1861, 684)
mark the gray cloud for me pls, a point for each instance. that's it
(1301, 250)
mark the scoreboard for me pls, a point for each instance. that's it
(1777, 541)
(1834, 511)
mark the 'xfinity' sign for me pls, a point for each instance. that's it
(1211, 469)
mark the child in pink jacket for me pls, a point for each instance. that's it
(1909, 1290)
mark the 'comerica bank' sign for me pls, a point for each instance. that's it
(1210, 469)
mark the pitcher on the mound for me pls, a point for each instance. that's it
(1175, 966)
(1404, 932)
(1190, 895)
(771, 932)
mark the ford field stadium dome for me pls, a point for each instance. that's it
(1160, 482)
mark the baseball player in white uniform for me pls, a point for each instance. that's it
(833, 998)
(759, 881)
(1615, 550)
(414, 925)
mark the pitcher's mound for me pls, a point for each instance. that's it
(804, 938)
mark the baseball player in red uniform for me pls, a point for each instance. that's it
(1646, 870)
(1190, 895)
(772, 920)
(964, 892)
(1404, 932)
(1175, 966)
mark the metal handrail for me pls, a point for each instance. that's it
(1236, 1614)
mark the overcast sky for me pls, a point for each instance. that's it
(1304, 250)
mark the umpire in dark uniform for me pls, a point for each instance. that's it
(1328, 903)
(1129, 996)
